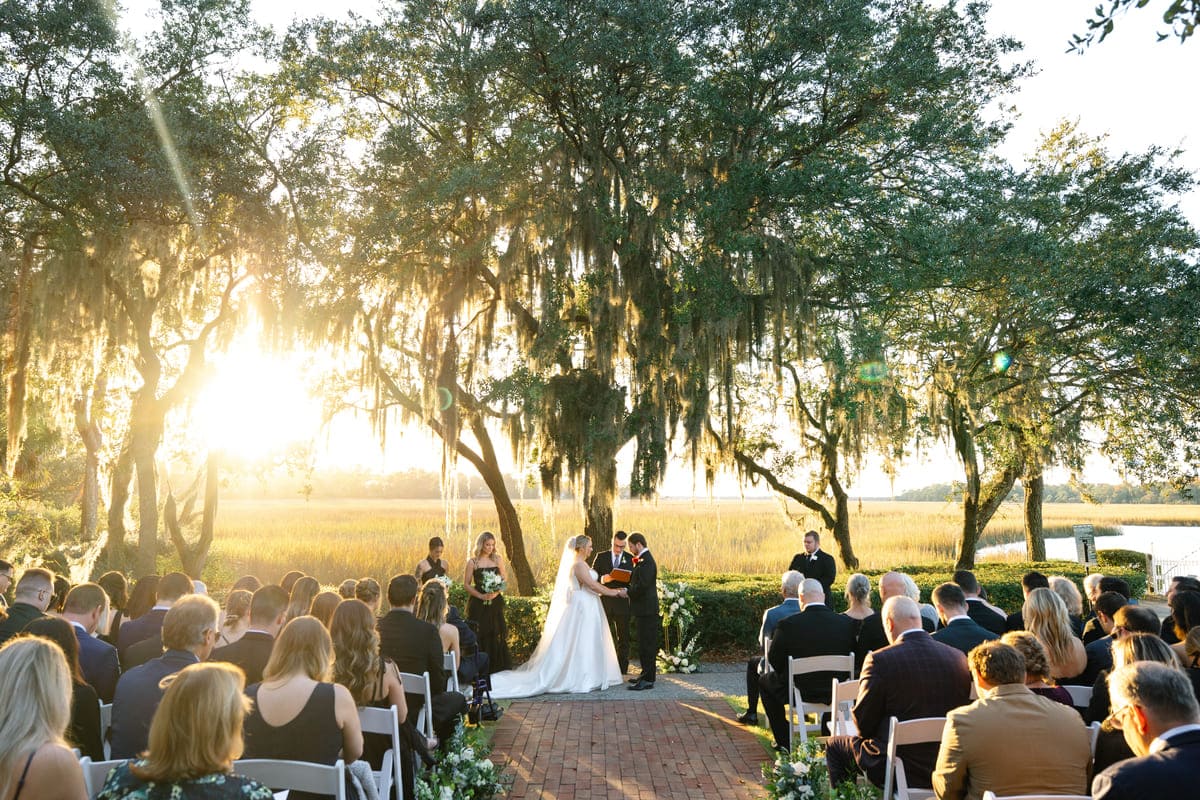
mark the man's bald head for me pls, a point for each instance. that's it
(891, 585)
(900, 614)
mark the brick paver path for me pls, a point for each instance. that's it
(642, 750)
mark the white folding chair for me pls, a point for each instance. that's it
(450, 664)
(95, 773)
(1081, 696)
(419, 684)
(1094, 732)
(300, 776)
(990, 795)
(798, 710)
(384, 721)
(106, 728)
(912, 731)
(843, 694)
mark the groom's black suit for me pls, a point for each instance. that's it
(643, 606)
(616, 608)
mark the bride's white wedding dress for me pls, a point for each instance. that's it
(576, 652)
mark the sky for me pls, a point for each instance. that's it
(1133, 89)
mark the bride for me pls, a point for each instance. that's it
(575, 653)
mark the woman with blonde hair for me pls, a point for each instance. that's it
(432, 607)
(237, 617)
(1046, 618)
(298, 714)
(1037, 666)
(486, 609)
(300, 600)
(195, 737)
(35, 707)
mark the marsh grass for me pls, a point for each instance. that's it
(337, 539)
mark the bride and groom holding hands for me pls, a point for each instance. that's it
(576, 652)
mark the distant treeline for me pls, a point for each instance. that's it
(1065, 493)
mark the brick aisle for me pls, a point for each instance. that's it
(667, 750)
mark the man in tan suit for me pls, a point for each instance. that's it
(1010, 740)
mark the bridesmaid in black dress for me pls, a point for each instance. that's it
(487, 609)
(433, 565)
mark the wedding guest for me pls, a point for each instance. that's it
(249, 583)
(1099, 651)
(346, 590)
(1029, 581)
(1068, 592)
(141, 598)
(1045, 616)
(929, 615)
(1091, 626)
(871, 633)
(1037, 667)
(86, 607)
(35, 707)
(297, 713)
(194, 739)
(289, 580)
(433, 565)
(117, 588)
(1185, 615)
(268, 613)
(1129, 648)
(415, 647)
(432, 607)
(323, 606)
(958, 629)
(148, 626)
(31, 598)
(816, 563)
(1191, 658)
(189, 631)
(858, 598)
(486, 609)
(369, 591)
(1180, 583)
(83, 731)
(977, 608)
(304, 590)
(790, 588)
(236, 618)
(61, 587)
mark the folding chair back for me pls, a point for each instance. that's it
(106, 728)
(843, 694)
(1081, 696)
(450, 664)
(419, 684)
(300, 776)
(797, 708)
(95, 773)
(385, 721)
(913, 731)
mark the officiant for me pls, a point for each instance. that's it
(616, 608)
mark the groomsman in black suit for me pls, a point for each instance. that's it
(815, 563)
(616, 608)
(643, 607)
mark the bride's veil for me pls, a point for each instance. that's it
(562, 589)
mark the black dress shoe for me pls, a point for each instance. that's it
(778, 748)
(632, 681)
(749, 718)
(641, 686)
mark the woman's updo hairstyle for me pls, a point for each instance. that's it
(580, 542)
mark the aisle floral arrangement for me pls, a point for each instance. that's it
(679, 610)
(463, 772)
(804, 776)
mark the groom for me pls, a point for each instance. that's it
(643, 607)
(616, 608)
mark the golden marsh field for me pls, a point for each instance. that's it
(337, 539)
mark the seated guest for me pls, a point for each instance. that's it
(858, 597)
(323, 606)
(816, 631)
(268, 610)
(959, 630)
(475, 662)
(236, 619)
(1180, 583)
(1045, 616)
(61, 587)
(300, 600)
(929, 616)
(85, 609)
(298, 714)
(889, 689)
(84, 729)
(189, 631)
(117, 588)
(346, 590)
(433, 565)
(432, 607)
(977, 609)
(35, 707)
(416, 647)
(1191, 658)
(1068, 592)
(141, 597)
(1185, 615)
(871, 633)
(1010, 741)
(1037, 667)
(194, 739)
(1160, 719)
(1111, 747)
(1099, 651)
(247, 583)
(148, 626)
(1029, 581)
(771, 618)
(1091, 626)
(31, 598)
(289, 580)
(368, 590)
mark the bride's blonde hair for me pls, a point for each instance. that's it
(581, 541)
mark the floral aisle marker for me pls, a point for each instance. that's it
(463, 772)
(804, 776)
(679, 610)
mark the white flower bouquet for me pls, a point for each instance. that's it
(492, 582)
(803, 776)
(463, 772)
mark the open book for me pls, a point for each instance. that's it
(621, 575)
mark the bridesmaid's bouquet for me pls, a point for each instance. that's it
(491, 582)
(445, 581)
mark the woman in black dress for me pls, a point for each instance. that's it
(486, 609)
(84, 729)
(433, 565)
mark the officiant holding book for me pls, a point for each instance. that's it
(613, 568)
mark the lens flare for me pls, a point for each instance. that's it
(1001, 362)
(872, 372)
